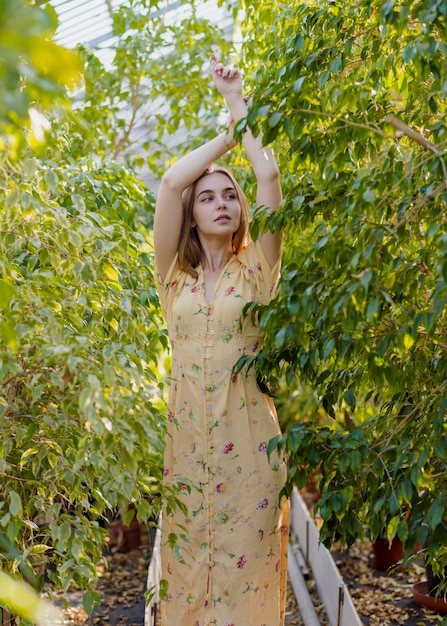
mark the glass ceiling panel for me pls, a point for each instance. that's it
(90, 22)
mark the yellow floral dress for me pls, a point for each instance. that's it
(225, 561)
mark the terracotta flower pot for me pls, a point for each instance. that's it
(422, 597)
(126, 538)
(387, 554)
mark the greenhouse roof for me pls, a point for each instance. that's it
(90, 21)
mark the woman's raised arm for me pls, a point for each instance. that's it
(168, 208)
(229, 83)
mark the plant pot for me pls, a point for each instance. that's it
(422, 597)
(387, 554)
(310, 492)
(126, 538)
(6, 618)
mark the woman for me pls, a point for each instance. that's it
(225, 559)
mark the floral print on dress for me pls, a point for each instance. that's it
(227, 447)
(242, 561)
(219, 424)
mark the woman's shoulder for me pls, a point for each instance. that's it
(259, 271)
(173, 271)
(253, 256)
(165, 285)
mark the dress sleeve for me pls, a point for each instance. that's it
(167, 287)
(265, 277)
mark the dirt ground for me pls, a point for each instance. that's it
(383, 599)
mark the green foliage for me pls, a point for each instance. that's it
(361, 313)
(33, 69)
(24, 601)
(82, 344)
(160, 70)
(355, 342)
(81, 405)
(80, 409)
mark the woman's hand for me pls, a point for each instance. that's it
(228, 80)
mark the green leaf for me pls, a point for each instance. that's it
(89, 600)
(51, 179)
(6, 292)
(435, 514)
(64, 532)
(440, 447)
(328, 348)
(372, 309)
(15, 504)
(392, 527)
(274, 119)
(298, 84)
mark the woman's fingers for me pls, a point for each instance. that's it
(225, 71)
(231, 72)
(219, 68)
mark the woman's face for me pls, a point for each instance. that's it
(216, 211)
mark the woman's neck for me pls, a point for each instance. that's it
(214, 258)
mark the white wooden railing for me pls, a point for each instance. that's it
(331, 588)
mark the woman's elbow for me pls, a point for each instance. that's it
(270, 174)
(269, 165)
(274, 171)
(168, 181)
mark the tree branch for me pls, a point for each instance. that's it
(419, 204)
(403, 129)
(109, 8)
(347, 122)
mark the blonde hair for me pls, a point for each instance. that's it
(189, 247)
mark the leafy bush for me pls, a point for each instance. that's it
(81, 347)
(355, 97)
(81, 423)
